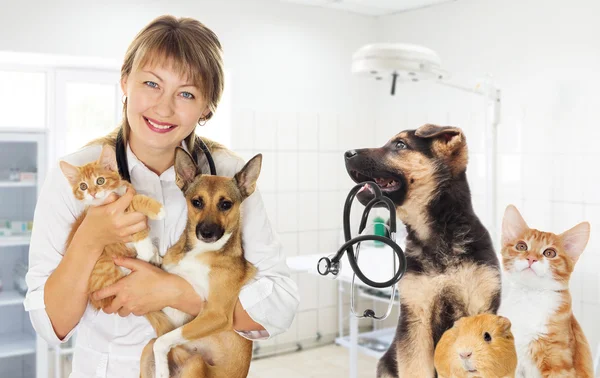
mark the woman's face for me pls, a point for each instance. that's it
(162, 106)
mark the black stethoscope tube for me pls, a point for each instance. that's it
(121, 153)
(332, 265)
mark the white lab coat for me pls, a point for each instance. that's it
(109, 345)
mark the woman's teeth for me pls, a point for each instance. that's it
(162, 127)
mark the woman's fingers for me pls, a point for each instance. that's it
(122, 203)
(112, 197)
(124, 312)
(131, 218)
(128, 231)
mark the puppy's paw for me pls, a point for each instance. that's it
(162, 372)
(156, 260)
(161, 365)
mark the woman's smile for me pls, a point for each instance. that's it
(157, 126)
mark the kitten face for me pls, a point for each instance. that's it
(537, 259)
(93, 182)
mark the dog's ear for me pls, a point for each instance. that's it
(449, 143)
(247, 176)
(185, 168)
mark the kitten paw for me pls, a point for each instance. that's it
(145, 249)
(161, 214)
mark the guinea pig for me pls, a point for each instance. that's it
(480, 346)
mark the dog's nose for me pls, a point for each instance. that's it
(209, 231)
(465, 355)
(350, 154)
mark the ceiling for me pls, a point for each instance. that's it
(370, 7)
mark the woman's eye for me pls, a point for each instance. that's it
(83, 186)
(550, 253)
(225, 205)
(187, 95)
(100, 180)
(197, 203)
(521, 247)
(151, 84)
(400, 145)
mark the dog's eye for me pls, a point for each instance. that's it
(197, 203)
(100, 180)
(83, 186)
(521, 247)
(400, 145)
(487, 337)
(225, 205)
(550, 253)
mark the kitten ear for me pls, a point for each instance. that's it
(513, 225)
(108, 158)
(70, 171)
(575, 240)
(185, 168)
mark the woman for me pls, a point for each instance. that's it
(172, 78)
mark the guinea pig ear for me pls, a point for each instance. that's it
(504, 324)
(457, 323)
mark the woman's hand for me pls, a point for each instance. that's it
(148, 288)
(109, 223)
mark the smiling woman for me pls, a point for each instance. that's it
(172, 79)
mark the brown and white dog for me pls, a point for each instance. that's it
(452, 269)
(209, 255)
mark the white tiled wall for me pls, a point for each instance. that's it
(547, 173)
(304, 186)
(548, 135)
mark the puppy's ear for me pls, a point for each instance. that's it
(185, 169)
(247, 176)
(449, 144)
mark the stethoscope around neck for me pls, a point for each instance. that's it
(328, 265)
(121, 153)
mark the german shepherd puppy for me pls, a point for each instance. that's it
(209, 255)
(452, 268)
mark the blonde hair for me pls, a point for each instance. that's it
(193, 50)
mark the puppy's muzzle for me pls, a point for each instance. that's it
(209, 232)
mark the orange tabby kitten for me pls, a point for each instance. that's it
(92, 183)
(538, 265)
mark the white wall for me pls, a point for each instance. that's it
(293, 99)
(544, 56)
(282, 56)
